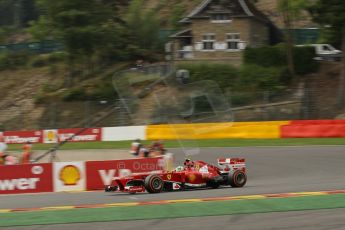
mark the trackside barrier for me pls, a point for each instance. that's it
(265, 129)
(270, 129)
(30, 178)
(123, 133)
(101, 173)
(71, 176)
(313, 128)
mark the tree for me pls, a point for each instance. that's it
(331, 13)
(84, 27)
(291, 10)
(142, 30)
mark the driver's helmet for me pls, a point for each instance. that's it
(188, 163)
(179, 169)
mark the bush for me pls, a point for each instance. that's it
(225, 75)
(13, 60)
(275, 56)
(241, 99)
(39, 61)
(3, 61)
(47, 59)
(248, 77)
(255, 77)
(40, 98)
(57, 57)
(76, 94)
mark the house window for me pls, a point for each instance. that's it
(208, 41)
(233, 41)
(220, 17)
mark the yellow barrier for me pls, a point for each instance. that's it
(267, 129)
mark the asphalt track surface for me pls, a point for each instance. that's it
(270, 170)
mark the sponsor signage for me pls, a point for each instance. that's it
(20, 137)
(50, 136)
(30, 178)
(101, 173)
(91, 134)
(69, 176)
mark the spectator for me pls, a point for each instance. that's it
(10, 160)
(27, 148)
(3, 147)
(135, 147)
(157, 147)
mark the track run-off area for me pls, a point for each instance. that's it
(298, 176)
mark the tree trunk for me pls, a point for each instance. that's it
(341, 90)
(288, 37)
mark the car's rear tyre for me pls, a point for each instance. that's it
(237, 178)
(154, 184)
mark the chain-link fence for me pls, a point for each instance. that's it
(156, 95)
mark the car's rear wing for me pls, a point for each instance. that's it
(232, 164)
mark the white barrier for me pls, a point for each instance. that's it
(123, 133)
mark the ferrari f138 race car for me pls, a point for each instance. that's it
(193, 175)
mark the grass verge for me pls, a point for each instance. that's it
(196, 143)
(177, 210)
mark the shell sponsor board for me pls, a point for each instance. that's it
(90, 134)
(69, 176)
(20, 137)
(50, 136)
(27, 178)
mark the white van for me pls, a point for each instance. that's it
(326, 52)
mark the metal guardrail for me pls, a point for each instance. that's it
(33, 47)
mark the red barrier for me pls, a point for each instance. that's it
(19, 137)
(312, 130)
(317, 122)
(101, 173)
(30, 178)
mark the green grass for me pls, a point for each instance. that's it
(195, 143)
(210, 208)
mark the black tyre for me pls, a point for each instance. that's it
(213, 184)
(237, 178)
(154, 184)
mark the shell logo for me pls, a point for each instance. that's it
(50, 135)
(70, 175)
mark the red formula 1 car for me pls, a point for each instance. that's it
(194, 174)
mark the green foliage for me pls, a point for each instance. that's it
(40, 98)
(254, 77)
(176, 15)
(249, 77)
(294, 7)
(225, 75)
(265, 56)
(330, 13)
(17, 13)
(41, 29)
(86, 28)
(13, 60)
(275, 56)
(75, 94)
(241, 98)
(47, 59)
(142, 28)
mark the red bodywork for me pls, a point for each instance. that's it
(201, 174)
